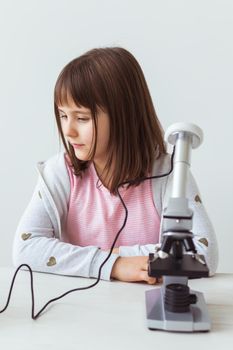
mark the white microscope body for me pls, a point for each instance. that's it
(172, 307)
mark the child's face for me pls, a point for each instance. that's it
(78, 128)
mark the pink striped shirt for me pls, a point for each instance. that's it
(95, 215)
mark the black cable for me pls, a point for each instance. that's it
(35, 316)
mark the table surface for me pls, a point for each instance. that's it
(110, 315)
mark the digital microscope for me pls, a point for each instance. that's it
(173, 306)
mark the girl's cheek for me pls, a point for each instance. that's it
(90, 134)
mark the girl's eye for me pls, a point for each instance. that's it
(79, 118)
(83, 119)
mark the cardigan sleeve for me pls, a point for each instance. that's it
(205, 238)
(36, 245)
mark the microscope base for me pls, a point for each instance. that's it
(196, 320)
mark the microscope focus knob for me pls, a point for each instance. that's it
(178, 128)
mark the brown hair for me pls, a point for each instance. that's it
(112, 79)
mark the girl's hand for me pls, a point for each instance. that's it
(132, 269)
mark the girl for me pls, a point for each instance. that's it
(111, 134)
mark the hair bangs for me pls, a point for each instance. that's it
(79, 83)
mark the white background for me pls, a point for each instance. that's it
(185, 49)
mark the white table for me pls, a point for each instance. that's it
(111, 315)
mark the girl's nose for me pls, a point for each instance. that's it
(70, 130)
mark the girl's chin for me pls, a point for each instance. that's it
(81, 156)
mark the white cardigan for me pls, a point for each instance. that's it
(38, 238)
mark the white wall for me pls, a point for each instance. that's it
(186, 51)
